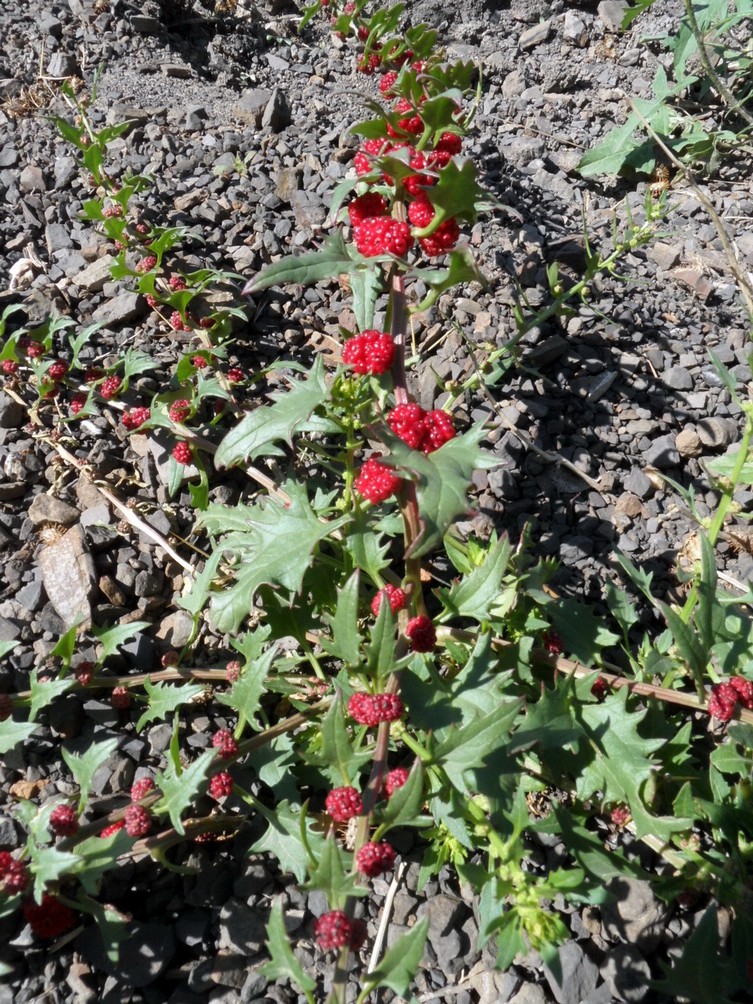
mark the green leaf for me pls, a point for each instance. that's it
(400, 965)
(245, 694)
(344, 639)
(65, 647)
(462, 269)
(700, 974)
(136, 361)
(113, 637)
(48, 865)
(367, 547)
(366, 285)
(83, 766)
(380, 651)
(283, 965)
(330, 876)
(404, 805)
(44, 692)
(466, 747)
(633, 12)
(12, 733)
(270, 423)
(96, 856)
(474, 595)
(582, 630)
(165, 698)
(276, 548)
(330, 261)
(336, 749)
(179, 789)
(457, 193)
(724, 467)
(442, 481)
(282, 839)
(8, 646)
(688, 643)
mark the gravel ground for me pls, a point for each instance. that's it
(241, 123)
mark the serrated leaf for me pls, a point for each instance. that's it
(245, 694)
(111, 638)
(180, 789)
(725, 467)
(442, 481)
(44, 692)
(367, 547)
(366, 285)
(164, 698)
(49, 864)
(688, 643)
(283, 965)
(12, 733)
(330, 876)
(462, 269)
(276, 422)
(380, 651)
(336, 749)
(328, 262)
(343, 640)
(85, 765)
(283, 840)
(456, 194)
(582, 630)
(466, 747)
(136, 361)
(96, 857)
(64, 648)
(275, 549)
(474, 595)
(404, 805)
(398, 968)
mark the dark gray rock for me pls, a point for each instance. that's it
(579, 974)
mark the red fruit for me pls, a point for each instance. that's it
(57, 370)
(112, 828)
(199, 362)
(221, 785)
(152, 301)
(177, 323)
(6, 706)
(600, 688)
(138, 821)
(371, 709)
(49, 918)
(439, 430)
(110, 386)
(376, 482)
(620, 815)
(722, 702)
(379, 235)
(84, 672)
(375, 858)
(10, 366)
(385, 84)
(393, 595)
(420, 211)
(553, 643)
(13, 874)
(63, 821)
(135, 417)
(181, 453)
(146, 264)
(179, 410)
(110, 211)
(120, 698)
(343, 803)
(408, 422)
(78, 400)
(34, 350)
(421, 633)
(236, 375)
(395, 779)
(225, 744)
(140, 788)
(370, 352)
(371, 148)
(744, 690)
(366, 205)
(335, 929)
(415, 183)
(232, 671)
(177, 282)
(444, 238)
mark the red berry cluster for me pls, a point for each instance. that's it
(375, 858)
(220, 785)
(371, 709)
(63, 820)
(138, 821)
(370, 352)
(394, 595)
(225, 744)
(421, 430)
(181, 453)
(110, 386)
(395, 779)
(336, 929)
(14, 876)
(120, 698)
(421, 633)
(135, 417)
(141, 788)
(376, 482)
(725, 697)
(49, 918)
(343, 803)
(146, 264)
(367, 205)
(179, 410)
(379, 235)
